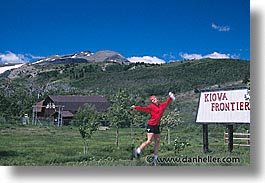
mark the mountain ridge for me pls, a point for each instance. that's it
(107, 56)
(83, 57)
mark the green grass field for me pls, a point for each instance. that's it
(53, 146)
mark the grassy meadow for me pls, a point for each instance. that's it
(53, 146)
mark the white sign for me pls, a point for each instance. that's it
(224, 106)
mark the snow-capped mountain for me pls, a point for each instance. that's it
(83, 57)
(5, 68)
(80, 57)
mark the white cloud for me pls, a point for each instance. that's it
(187, 56)
(235, 56)
(221, 28)
(32, 57)
(146, 59)
(214, 55)
(12, 58)
(217, 55)
(9, 57)
(170, 56)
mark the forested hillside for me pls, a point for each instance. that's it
(23, 87)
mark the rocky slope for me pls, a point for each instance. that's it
(105, 56)
(83, 57)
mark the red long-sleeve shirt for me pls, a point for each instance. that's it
(156, 111)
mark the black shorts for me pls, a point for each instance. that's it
(153, 129)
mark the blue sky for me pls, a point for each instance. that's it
(164, 29)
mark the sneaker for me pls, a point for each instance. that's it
(155, 162)
(137, 154)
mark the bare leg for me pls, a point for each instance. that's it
(157, 141)
(149, 141)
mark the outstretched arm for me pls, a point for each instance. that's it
(171, 97)
(142, 109)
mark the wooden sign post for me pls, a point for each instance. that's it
(230, 138)
(205, 138)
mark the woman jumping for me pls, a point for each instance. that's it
(156, 109)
